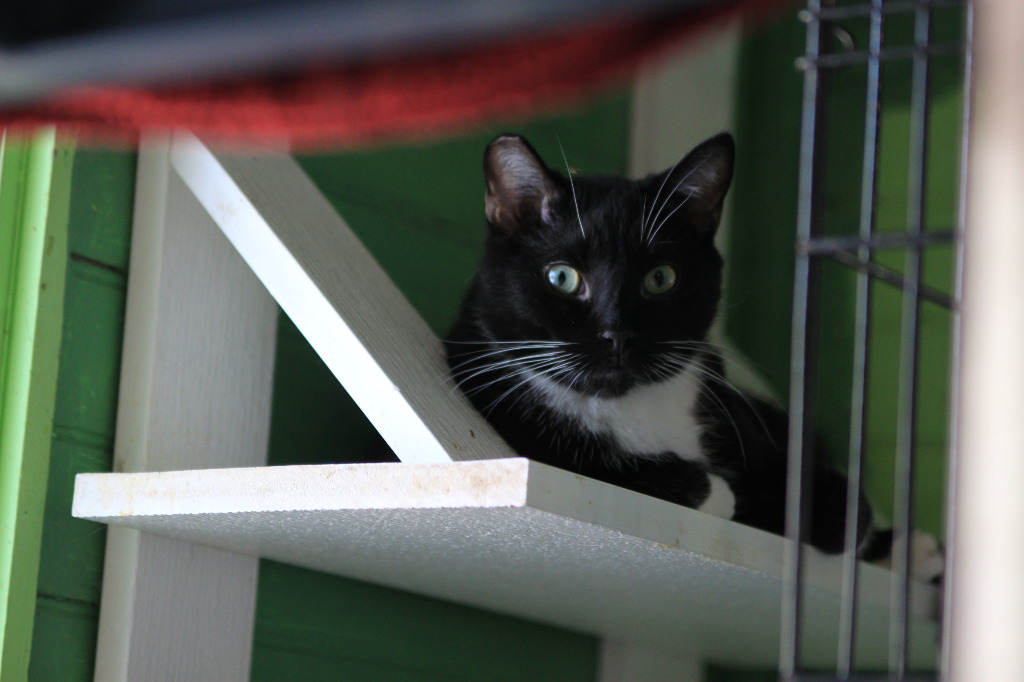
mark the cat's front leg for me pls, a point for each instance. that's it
(668, 477)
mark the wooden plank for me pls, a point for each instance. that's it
(987, 595)
(345, 305)
(195, 392)
(521, 538)
(36, 174)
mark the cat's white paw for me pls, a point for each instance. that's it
(927, 560)
(721, 501)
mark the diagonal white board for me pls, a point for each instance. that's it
(346, 306)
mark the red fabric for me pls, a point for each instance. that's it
(356, 104)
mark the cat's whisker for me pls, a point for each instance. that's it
(643, 219)
(554, 371)
(664, 371)
(719, 379)
(527, 382)
(666, 218)
(505, 357)
(572, 188)
(551, 374)
(529, 373)
(477, 356)
(724, 411)
(669, 196)
(579, 371)
(713, 348)
(491, 342)
(520, 365)
(661, 187)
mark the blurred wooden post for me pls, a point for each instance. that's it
(987, 591)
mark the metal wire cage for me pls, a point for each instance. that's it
(874, 43)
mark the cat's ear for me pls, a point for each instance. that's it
(518, 183)
(701, 179)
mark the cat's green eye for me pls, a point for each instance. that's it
(564, 278)
(660, 280)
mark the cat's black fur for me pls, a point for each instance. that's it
(561, 374)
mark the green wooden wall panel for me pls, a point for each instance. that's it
(71, 560)
(94, 306)
(358, 631)
(714, 673)
(64, 641)
(759, 272)
(101, 210)
(339, 433)
(315, 667)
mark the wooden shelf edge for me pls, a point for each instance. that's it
(519, 537)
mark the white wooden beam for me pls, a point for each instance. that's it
(360, 324)
(195, 393)
(987, 590)
(684, 100)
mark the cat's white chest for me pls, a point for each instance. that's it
(648, 420)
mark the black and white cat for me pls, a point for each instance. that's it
(583, 339)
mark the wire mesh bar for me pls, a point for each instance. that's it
(824, 677)
(842, 12)
(841, 59)
(797, 493)
(892, 277)
(858, 399)
(857, 251)
(828, 244)
(954, 398)
(909, 335)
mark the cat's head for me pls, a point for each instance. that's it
(623, 275)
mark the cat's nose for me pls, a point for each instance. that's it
(620, 341)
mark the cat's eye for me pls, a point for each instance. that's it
(564, 278)
(660, 280)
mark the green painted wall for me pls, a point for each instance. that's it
(71, 560)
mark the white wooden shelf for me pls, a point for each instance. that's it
(219, 239)
(521, 538)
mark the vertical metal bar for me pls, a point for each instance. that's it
(954, 398)
(848, 595)
(905, 440)
(797, 492)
